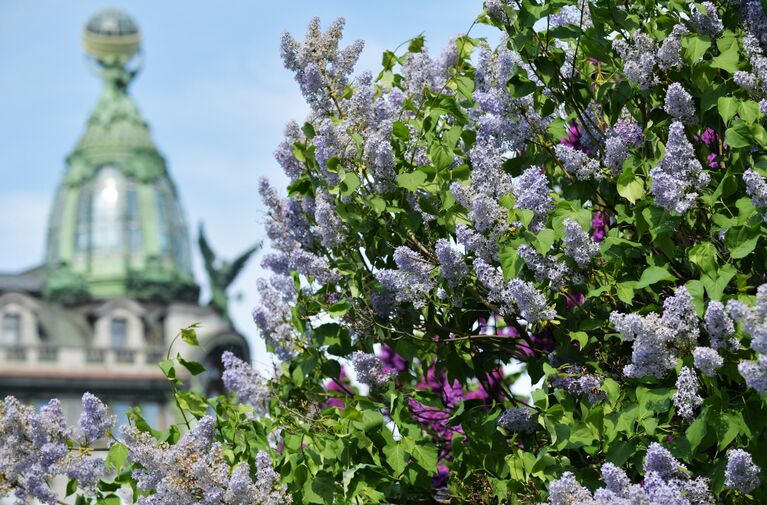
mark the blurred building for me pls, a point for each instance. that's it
(116, 284)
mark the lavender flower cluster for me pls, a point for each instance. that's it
(754, 323)
(666, 481)
(544, 267)
(515, 297)
(577, 381)
(370, 370)
(679, 104)
(412, 280)
(240, 378)
(741, 473)
(517, 420)
(678, 177)
(657, 339)
(756, 187)
(195, 470)
(578, 244)
(532, 192)
(36, 446)
(686, 398)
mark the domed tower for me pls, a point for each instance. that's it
(117, 228)
(116, 285)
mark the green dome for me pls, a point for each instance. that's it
(117, 227)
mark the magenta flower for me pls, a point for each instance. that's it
(599, 224)
(391, 360)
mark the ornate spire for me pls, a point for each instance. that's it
(117, 228)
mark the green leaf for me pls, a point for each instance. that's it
(117, 456)
(694, 46)
(727, 60)
(189, 334)
(349, 183)
(749, 111)
(696, 432)
(630, 186)
(411, 181)
(581, 337)
(71, 487)
(416, 44)
(194, 367)
(727, 107)
(703, 255)
(653, 275)
(396, 457)
(441, 156)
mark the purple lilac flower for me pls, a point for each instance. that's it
(543, 267)
(336, 386)
(95, 421)
(686, 399)
(240, 378)
(481, 246)
(719, 326)
(412, 280)
(659, 460)
(567, 491)
(709, 137)
(616, 152)
(670, 52)
(679, 176)
(629, 130)
(599, 225)
(284, 152)
(392, 360)
(329, 225)
(573, 139)
(741, 473)
(755, 373)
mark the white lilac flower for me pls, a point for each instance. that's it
(679, 315)
(543, 267)
(678, 104)
(756, 187)
(719, 326)
(273, 316)
(741, 473)
(517, 420)
(578, 163)
(481, 246)
(95, 421)
(638, 59)
(578, 244)
(659, 460)
(452, 266)
(755, 373)
(531, 303)
(753, 319)
(686, 399)
(240, 378)
(412, 279)
(670, 52)
(329, 225)
(679, 176)
(370, 370)
(567, 491)
(532, 192)
(707, 360)
(707, 23)
(616, 152)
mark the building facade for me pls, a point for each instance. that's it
(116, 284)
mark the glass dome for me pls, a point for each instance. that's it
(111, 23)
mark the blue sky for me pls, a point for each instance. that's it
(213, 90)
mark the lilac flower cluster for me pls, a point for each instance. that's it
(719, 326)
(686, 399)
(329, 225)
(679, 104)
(666, 481)
(707, 22)
(578, 15)
(756, 187)
(452, 266)
(240, 378)
(531, 304)
(412, 280)
(741, 473)
(532, 192)
(755, 81)
(195, 470)
(707, 360)
(474, 242)
(678, 177)
(370, 370)
(517, 420)
(670, 52)
(321, 68)
(657, 339)
(576, 381)
(578, 244)
(272, 315)
(639, 59)
(754, 323)
(35, 448)
(544, 267)
(284, 152)
(578, 163)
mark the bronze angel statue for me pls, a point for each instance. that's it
(221, 273)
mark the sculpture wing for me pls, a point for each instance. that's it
(207, 253)
(238, 264)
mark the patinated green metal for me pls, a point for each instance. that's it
(221, 273)
(117, 227)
